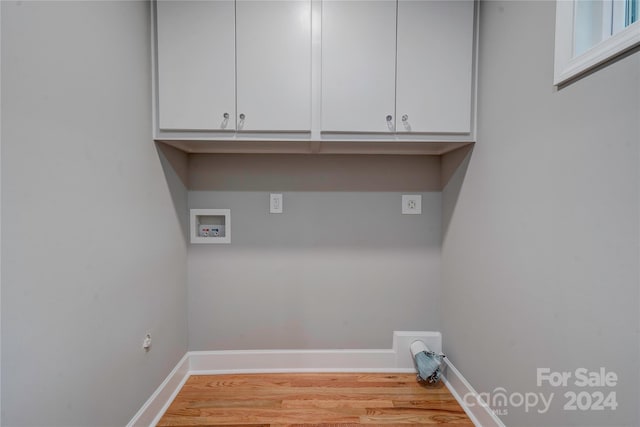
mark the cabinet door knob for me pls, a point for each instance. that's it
(405, 118)
(389, 117)
(226, 116)
(242, 116)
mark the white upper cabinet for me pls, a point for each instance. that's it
(320, 76)
(273, 45)
(358, 65)
(196, 65)
(225, 65)
(402, 66)
(434, 69)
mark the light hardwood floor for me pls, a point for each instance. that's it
(312, 399)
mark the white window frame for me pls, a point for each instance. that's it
(566, 65)
(617, 12)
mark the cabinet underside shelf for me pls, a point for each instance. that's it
(317, 147)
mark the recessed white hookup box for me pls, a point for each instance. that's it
(210, 226)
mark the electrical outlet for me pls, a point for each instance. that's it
(275, 203)
(411, 204)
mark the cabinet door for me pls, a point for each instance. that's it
(274, 65)
(434, 71)
(196, 65)
(358, 65)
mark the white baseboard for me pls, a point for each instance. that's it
(157, 404)
(395, 360)
(477, 410)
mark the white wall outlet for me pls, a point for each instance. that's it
(275, 203)
(411, 204)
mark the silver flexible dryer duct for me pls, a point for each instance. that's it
(430, 365)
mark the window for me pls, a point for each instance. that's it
(591, 32)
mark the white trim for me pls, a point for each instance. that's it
(154, 79)
(153, 409)
(607, 19)
(283, 361)
(395, 360)
(480, 413)
(567, 67)
(617, 16)
(0, 226)
(476, 67)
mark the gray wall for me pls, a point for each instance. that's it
(93, 247)
(539, 239)
(340, 268)
(540, 248)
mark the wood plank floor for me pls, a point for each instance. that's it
(312, 400)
